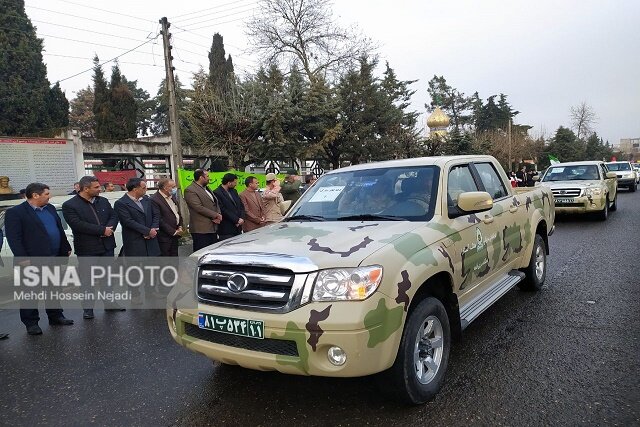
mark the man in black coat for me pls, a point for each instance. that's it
(35, 234)
(170, 219)
(140, 221)
(231, 207)
(93, 222)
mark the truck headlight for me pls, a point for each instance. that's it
(593, 191)
(347, 284)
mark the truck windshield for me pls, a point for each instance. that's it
(380, 194)
(572, 173)
(614, 167)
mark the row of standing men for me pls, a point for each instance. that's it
(151, 226)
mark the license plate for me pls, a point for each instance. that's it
(565, 200)
(231, 325)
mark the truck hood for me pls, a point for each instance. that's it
(308, 246)
(571, 184)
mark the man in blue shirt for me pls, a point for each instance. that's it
(34, 231)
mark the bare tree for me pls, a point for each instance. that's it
(305, 32)
(582, 120)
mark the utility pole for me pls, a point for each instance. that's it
(174, 125)
(509, 140)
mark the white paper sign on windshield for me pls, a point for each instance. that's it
(556, 170)
(327, 194)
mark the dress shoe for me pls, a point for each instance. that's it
(34, 330)
(88, 314)
(61, 321)
(4, 336)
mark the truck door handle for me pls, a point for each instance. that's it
(488, 219)
(513, 209)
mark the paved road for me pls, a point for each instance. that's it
(569, 355)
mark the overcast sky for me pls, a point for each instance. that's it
(546, 55)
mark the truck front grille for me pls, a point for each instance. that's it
(267, 345)
(566, 192)
(266, 288)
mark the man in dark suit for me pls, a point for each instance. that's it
(170, 219)
(34, 230)
(93, 222)
(231, 207)
(204, 211)
(140, 221)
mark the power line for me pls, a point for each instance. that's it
(89, 19)
(217, 12)
(219, 17)
(112, 59)
(82, 29)
(91, 59)
(107, 11)
(203, 10)
(184, 30)
(97, 44)
(221, 23)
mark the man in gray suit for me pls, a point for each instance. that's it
(204, 211)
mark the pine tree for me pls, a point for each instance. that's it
(401, 135)
(220, 68)
(81, 114)
(321, 127)
(450, 100)
(144, 107)
(160, 114)
(101, 103)
(57, 107)
(566, 146)
(123, 107)
(27, 103)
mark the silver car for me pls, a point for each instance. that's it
(627, 175)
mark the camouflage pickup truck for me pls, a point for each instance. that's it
(582, 187)
(376, 269)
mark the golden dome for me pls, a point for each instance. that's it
(438, 120)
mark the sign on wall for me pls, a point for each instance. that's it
(185, 178)
(50, 161)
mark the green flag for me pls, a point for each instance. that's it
(553, 159)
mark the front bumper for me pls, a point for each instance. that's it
(624, 182)
(581, 204)
(289, 347)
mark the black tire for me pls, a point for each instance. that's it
(403, 375)
(534, 277)
(633, 188)
(604, 213)
(614, 205)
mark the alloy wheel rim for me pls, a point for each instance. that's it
(540, 262)
(428, 350)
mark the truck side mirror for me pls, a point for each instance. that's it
(471, 202)
(535, 177)
(611, 175)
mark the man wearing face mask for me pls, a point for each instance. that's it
(170, 219)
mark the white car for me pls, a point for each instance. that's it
(627, 175)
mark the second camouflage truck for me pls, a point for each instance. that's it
(376, 269)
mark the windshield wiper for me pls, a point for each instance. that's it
(305, 217)
(370, 217)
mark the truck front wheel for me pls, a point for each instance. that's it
(418, 372)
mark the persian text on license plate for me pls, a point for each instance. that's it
(231, 325)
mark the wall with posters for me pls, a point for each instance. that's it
(185, 178)
(52, 161)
